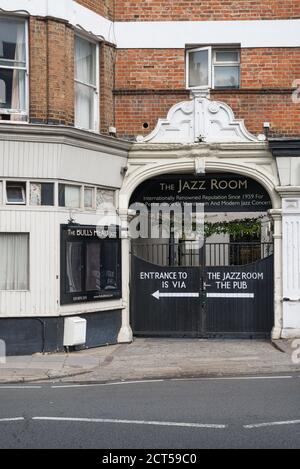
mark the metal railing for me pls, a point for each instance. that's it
(189, 253)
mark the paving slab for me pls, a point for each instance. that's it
(154, 359)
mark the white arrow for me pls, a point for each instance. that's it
(157, 294)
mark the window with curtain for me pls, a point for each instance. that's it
(13, 69)
(86, 84)
(14, 266)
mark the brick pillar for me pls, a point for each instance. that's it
(60, 73)
(51, 71)
(38, 100)
(107, 72)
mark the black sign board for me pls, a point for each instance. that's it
(90, 264)
(218, 192)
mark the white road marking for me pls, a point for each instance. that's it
(230, 295)
(13, 419)
(20, 387)
(117, 383)
(232, 378)
(132, 422)
(271, 424)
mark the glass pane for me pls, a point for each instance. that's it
(35, 193)
(14, 250)
(198, 68)
(227, 56)
(47, 193)
(104, 197)
(84, 106)
(85, 61)
(88, 197)
(72, 196)
(93, 266)
(227, 77)
(15, 193)
(109, 265)
(12, 89)
(74, 266)
(12, 40)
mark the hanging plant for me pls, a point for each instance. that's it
(235, 228)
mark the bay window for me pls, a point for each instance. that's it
(209, 67)
(86, 84)
(13, 69)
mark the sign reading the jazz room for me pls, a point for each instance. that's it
(218, 192)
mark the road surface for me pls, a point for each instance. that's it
(248, 412)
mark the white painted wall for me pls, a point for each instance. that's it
(30, 160)
(291, 264)
(176, 34)
(164, 34)
(59, 161)
(43, 297)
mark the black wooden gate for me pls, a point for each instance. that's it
(223, 289)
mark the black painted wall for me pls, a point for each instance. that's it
(24, 336)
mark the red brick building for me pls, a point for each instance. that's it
(80, 82)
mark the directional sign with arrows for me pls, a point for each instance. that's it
(157, 294)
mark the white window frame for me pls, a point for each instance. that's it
(225, 64)
(93, 197)
(199, 49)
(24, 193)
(211, 65)
(96, 88)
(24, 112)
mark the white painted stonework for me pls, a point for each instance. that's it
(176, 34)
(163, 34)
(291, 266)
(200, 120)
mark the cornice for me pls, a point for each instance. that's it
(64, 135)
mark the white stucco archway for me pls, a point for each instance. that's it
(234, 150)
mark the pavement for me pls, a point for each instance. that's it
(155, 359)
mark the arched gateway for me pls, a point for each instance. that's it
(230, 284)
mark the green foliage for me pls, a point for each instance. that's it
(239, 227)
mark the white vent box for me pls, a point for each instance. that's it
(74, 331)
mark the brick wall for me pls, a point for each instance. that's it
(150, 69)
(189, 10)
(133, 111)
(107, 73)
(269, 68)
(256, 108)
(148, 82)
(51, 72)
(102, 7)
